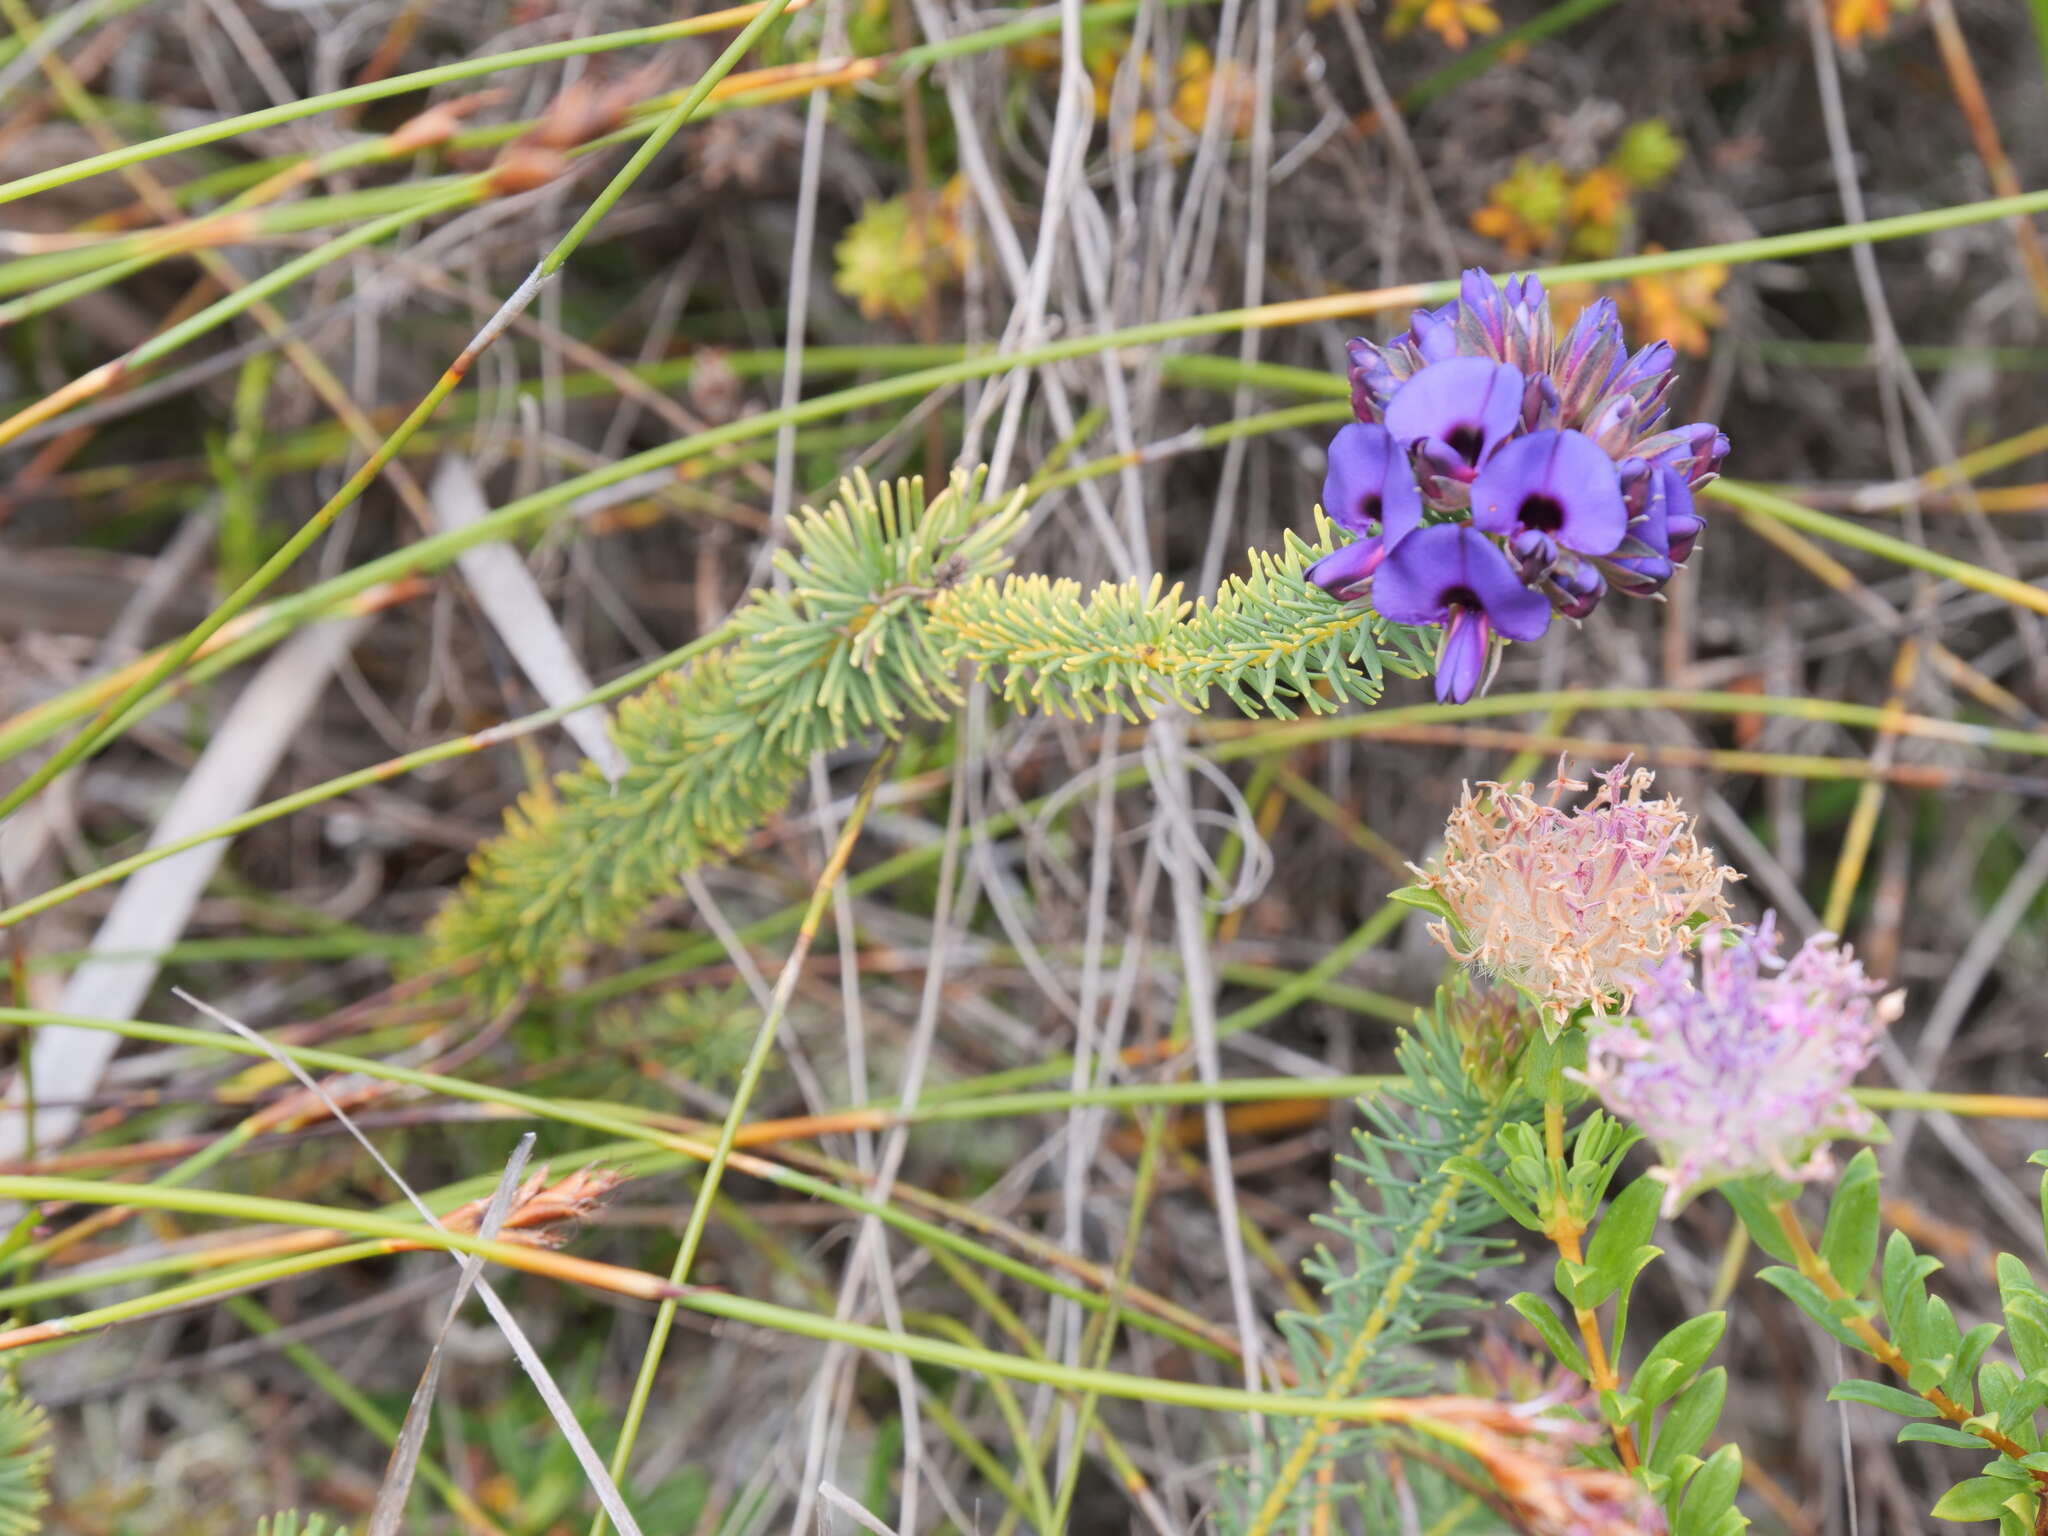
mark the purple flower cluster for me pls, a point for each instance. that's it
(1746, 1070)
(1541, 458)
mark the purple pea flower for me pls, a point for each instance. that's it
(1370, 491)
(1447, 574)
(1453, 414)
(1747, 1070)
(1663, 527)
(1550, 491)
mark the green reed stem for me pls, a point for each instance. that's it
(432, 552)
(728, 1133)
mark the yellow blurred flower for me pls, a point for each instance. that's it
(1199, 77)
(1599, 197)
(891, 263)
(1854, 20)
(1681, 307)
(1196, 78)
(1455, 21)
(1525, 208)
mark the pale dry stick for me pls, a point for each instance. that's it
(222, 272)
(1969, 89)
(870, 1253)
(1893, 368)
(801, 255)
(95, 734)
(511, 600)
(1191, 246)
(152, 910)
(1084, 1127)
(856, 1512)
(522, 1347)
(722, 1152)
(824, 1388)
(1395, 126)
(389, 1509)
(1987, 940)
(1066, 157)
(1178, 831)
(1224, 514)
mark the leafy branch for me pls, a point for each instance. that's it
(885, 598)
(1984, 1404)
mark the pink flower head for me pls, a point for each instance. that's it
(1746, 1068)
(1574, 907)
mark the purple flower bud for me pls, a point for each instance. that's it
(1574, 586)
(1449, 575)
(1371, 492)
(1748, 1069)
(1456, 412)
(1648, 371)
(1434, 333)
(1550, 491)
(1372, 379)
(1587, 359)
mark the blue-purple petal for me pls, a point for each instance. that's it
(1467, 403)
(1450, 565)
(1559, 484)
(1461, 658)
(1346, 567)
(1371, 482)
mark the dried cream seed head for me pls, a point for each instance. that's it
(1573, 906)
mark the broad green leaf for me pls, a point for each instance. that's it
(1710, 1494)
(1684, 1348)
(1578, 1284)
(1849, 1241)
(1562, 1345)
(1961, 1381)
(1976, 1498)
(1905, 1273)
(2026, 1313)
(1873, 1394)
(1689, 1421)
(1630, 1219)
(1928, 1336)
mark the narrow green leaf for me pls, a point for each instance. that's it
(1553, 1332)
(1475, 1172)
(1755, 1210)
(1942, 1434)
(1849, 1241)
(1873, 1394)
(1809, 1298)
(1424, 899)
